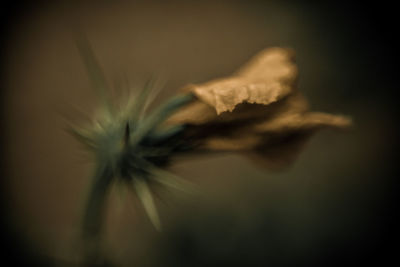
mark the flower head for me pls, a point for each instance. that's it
(128, 145)
(257, 111)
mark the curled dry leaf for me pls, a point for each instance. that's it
(256, 111)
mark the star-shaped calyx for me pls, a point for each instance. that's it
(129, 146)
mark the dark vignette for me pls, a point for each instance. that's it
(368, 26)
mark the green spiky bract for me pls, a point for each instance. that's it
(127, 146)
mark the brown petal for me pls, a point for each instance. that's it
(275, 140)
(242, 129)
(279, 153)
(196, 113)
(239, 142)
(256, 112)
(285, 136)
(266, 78)
(293, 115)
(302, 122)
(271, 64)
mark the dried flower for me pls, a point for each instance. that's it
(256, 111)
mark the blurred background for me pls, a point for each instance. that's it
(335, 205)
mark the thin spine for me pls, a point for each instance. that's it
(159, 115)
(145, 196)
(94, 213)
(94, 70)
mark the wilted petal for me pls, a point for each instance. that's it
(194, 113)
(266, 78)
(256, 112)
(239, 142)
(271, 64)
(276, 140)
(277, 152)
(285, 136)
(293, 115)
(302, 122)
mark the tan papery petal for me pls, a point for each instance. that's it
(196, 113)
(234, 143)
(275, 141)
(278, 154)
(266, 78)
(307, 121)
(256, 112)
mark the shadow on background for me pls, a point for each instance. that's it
(334, 206)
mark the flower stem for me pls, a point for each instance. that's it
(94, 215)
